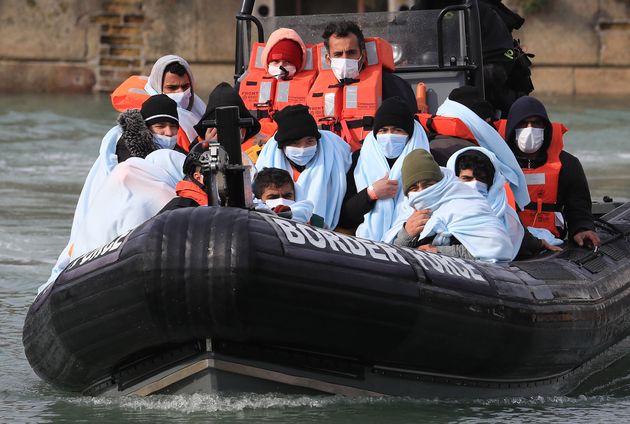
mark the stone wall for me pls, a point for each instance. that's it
(581, 46)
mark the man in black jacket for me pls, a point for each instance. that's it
(530, 135)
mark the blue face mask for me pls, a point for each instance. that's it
(391, 145)
(479, 186)
(164, 141)
(300, 155)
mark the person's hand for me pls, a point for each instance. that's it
(428, 248)
(416, 222)
(550, 247)
(587, 237)
(385, 188)
(211, 134)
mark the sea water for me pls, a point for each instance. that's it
(47, 145)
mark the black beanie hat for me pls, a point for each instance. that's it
(225, 95)
(294, 122)
(473, 99)
(393, 111)
(159, 108)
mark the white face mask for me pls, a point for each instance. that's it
(300, 155)
(164, 141)
(391, 145)
(272, 203)
(530, 139)
(182, 98)
(344, 68)
(479, 186)
(278, 73)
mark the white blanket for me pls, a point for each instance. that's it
(372, 166)
(489, 138)
(497, 197)
(461, 212)
(115, 200)
(323, 181)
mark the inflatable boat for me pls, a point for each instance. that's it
(215, 299)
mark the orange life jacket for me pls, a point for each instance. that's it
(192, 191)
(442, 125)
(542, 184)
(263, 94)
(349, 110)
(130, 94)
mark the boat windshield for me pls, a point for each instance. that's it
(413, 34)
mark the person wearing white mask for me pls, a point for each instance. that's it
(172, 75)
(462, 222)
(317, 160)
(284, 54)
(556, 182)
(152, 127)
(374, 181)
(347, 58)
(275, 188)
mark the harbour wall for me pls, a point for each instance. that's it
(582, 47)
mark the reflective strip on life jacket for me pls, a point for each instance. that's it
(333, 105)
(130, 94)
(542, 184)
(263, 92)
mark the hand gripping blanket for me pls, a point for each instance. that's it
(371, 166)
(461, 212)
(489, 138)
(323, 181)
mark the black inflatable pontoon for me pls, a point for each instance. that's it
(214, 299)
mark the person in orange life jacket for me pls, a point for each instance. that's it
(444, 145)
(152, 127)
(224, 95)
(529, 134)
(284, 54)
(347, 57)
(376, 170)
(190, 191)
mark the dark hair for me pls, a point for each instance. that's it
(175, 68)
(481, 166)
(270, 177)
(343, 29)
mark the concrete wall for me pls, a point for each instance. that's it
(581, 46)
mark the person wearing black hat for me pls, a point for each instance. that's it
(316, 159)
(225, 95)
(152, 127)
(374, 176)
(444, 144)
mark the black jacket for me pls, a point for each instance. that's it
(356, 205)
(574, 197)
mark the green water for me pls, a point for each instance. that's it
(48, 144)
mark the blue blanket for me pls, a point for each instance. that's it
(489, 138)
(323, 181)
(497, 197)
(372, 166)
(461, 212)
